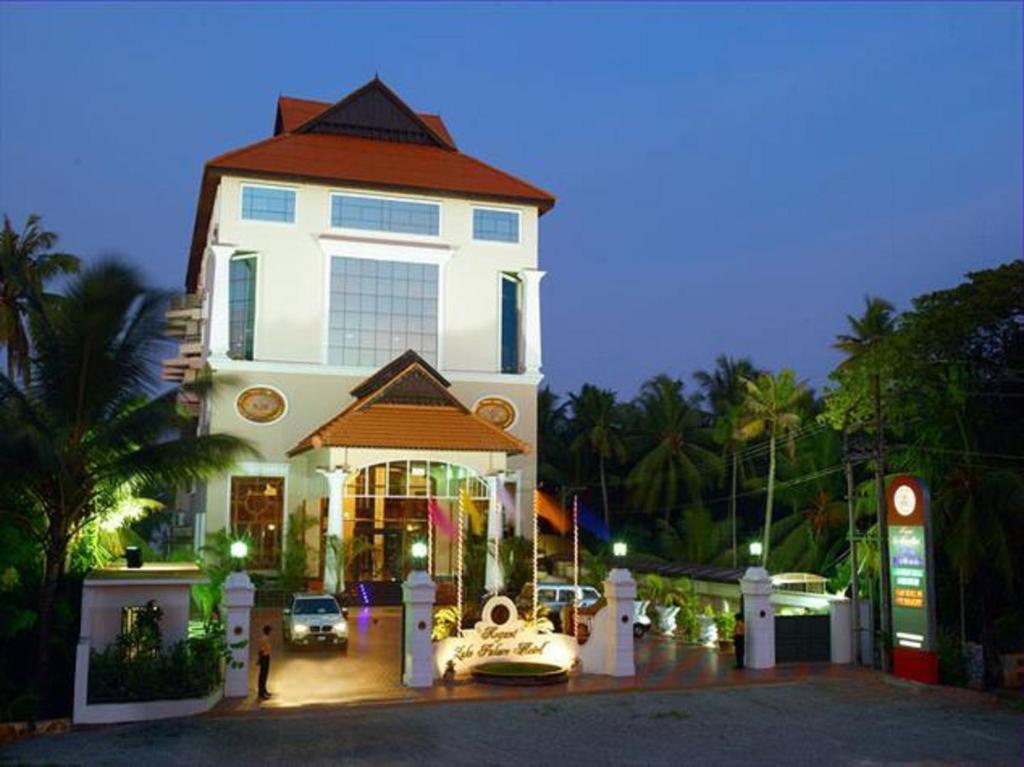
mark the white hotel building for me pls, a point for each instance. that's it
(367, 299)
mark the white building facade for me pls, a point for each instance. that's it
(358, 233)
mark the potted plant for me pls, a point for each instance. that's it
(708, 632)
(725, 622)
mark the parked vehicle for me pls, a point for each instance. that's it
(315, 619)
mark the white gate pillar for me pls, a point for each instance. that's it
(418, 653)
(620, 592)
(840, 614)
(334, 571)
(759, 618)
(493, 577)
(239, 595)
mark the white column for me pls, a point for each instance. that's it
(531, 319)
(217, 314)
(620, 592)
(759, 618)
(239, 594)
(334, 571)
(82, 654)
(418, 659)
(493, 580)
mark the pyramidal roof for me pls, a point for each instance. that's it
(407, 404)
(371, 139)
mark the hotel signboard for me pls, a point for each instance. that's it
(911, 580)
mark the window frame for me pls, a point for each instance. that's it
(255, 299)
(329, 260)
(385, 233)
(494, 209)
(273, 187)
(504, 276)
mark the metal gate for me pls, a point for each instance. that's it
(802, 638)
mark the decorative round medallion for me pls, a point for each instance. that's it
(260, 404)
(905, 500)
(497, 411)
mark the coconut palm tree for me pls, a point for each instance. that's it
(551, 437)
(27, 263)
(772, 407)
(596, 417)
(90, 434)
(678, 449)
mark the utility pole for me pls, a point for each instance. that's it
(883, 527)
(852, 533)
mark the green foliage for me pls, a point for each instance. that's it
(296, 559)
(725, 622)
(187, 669)
(144, 637)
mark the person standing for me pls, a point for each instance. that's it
(264, 658)
(739, 639)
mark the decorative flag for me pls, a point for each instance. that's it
(439, 519)
(548, 508)
(593, 524)
(508, 503)
(477, 522)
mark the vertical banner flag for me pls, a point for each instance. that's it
(477, 522)
(508, 503)
(439, 519)
(548, 509)
(593, 524)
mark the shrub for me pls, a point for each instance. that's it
(188, 669)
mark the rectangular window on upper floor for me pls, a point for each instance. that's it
(495, 225)
(381, 214)
(241, 307)
(379, 309)
(268, 203)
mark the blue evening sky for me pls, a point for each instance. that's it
(731, 178)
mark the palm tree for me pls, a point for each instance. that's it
(596, 416)
(723, 387)
(87, 434)
(551, 437)
(676, 444)
(26, 265)
(771, 407)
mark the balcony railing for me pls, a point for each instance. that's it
(185, 323)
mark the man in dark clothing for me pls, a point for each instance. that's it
(739, 639)
(264, 654)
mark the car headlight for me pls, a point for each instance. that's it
(300, 629)
(341, 629)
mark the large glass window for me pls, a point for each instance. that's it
(379, 309)
(509, 324)
(496, 225)
(257, 512)
(384, 215)
(268, 203)
(241, 307)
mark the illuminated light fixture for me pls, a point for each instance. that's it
(239, 550)
(419, 550)
(271, 527)
(756, 549)
(619, 549)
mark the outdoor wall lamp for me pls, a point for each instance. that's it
(619, 549)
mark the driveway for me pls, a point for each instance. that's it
(818, 720)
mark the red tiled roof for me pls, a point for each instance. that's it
(357, 161)
(406, 404)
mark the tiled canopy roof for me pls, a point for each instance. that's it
(406, 404)
(372, 139)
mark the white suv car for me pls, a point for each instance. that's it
(315, 619)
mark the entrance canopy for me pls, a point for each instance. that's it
(406, 404)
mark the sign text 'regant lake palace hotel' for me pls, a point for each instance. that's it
(367, 299)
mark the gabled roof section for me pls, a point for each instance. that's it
(370, 140)
(375, 112)
(406, 404)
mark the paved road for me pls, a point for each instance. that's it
(816, 721)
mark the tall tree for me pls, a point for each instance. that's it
(88, 436)
(551, 437)
(27, 264)
(677, 447)
(863, 347)
(599, 432)
(772, 407)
